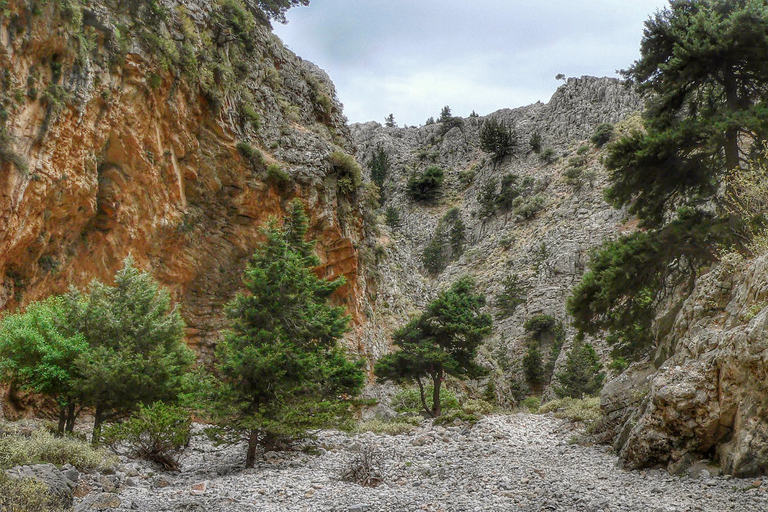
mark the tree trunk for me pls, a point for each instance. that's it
(62, 419)
(71, 416)
(253, 442)
(436, 381)
(732, 158)
(424, 399)
(98, 418)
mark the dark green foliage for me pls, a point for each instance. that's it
(705, 64)
(250, 116)
(37, 355)
(548, 156)
(533, 366)
(425, 187)
(442, 341)
(527, 207)
(447, 244)
(602, 134)
(280, 178)
(535, 142)
(137, 353)
(280, 370)
(429, 121)
(628, 277)
(538, 325)
(251, 155)
(27, 494)
(276, 9)
(392, 217)
(582, 374)
(497, 138)
(486, 199)
(513, 294)
(158, 433)
(347, 171)
(445, 114)
(379, 166)
(389, 121)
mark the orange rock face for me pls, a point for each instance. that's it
(134, 160)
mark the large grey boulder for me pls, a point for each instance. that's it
(60, 482)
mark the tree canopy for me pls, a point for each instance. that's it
(704, 71)
(442, 341)
(280, 369)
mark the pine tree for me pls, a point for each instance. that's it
(445, 114)
(582, 374)
(137, 353)
(281, 371)
(389, 121)
(442, 341)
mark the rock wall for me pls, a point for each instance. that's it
(548, 251)
(710, 399)
(127, 130)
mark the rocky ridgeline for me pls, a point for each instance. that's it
(516, 462)
(548, 251)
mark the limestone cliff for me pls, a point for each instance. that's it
(169, 130)
(547, 248)
(709, 400)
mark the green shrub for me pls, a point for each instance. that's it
(532, 403)
(535, 143)
(582, 375)
(477, 406)
(602, 134)
(618, 365)
(582, 150)
(40, 446)
(548, 156)
(456, 414)
(513, 294)
(252, 155)
(278, 176)
(401, 425)
(529, 206)
(26, 495)
(251, 117)
(586, 410)
(392, 217)
(409, 399)
(348, 174)
(497, 138)
(425, 187)
(533, 366)
(158, 433)
(539, 324)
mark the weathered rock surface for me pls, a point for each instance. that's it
(111, 146)
(60, 482)
(709, 399)
(548, 251)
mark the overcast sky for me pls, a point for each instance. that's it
(412, 57)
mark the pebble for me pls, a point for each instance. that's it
(503, 463)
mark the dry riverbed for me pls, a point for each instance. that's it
(515, 462)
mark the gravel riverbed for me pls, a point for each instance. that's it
(517, 462)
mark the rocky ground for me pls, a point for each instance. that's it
(515, 462)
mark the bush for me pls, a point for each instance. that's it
(532, 403)
(409, 399)
(477, 406)
(529, 206)
(278, 176)
(26, 495)
(602, 134)
(251, 117)
(158, 433)
(513, 294)
(582, 375)
(539, 324)
(533, 366)
(401, 425)
(348, 174)
(586, 410)
(392, 217)
(425, 187)
(252, 155)
(547, 156)
(40, 446)
(497, 138)
(365, 468)
(535, 143)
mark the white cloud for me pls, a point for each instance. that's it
(411, 57)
